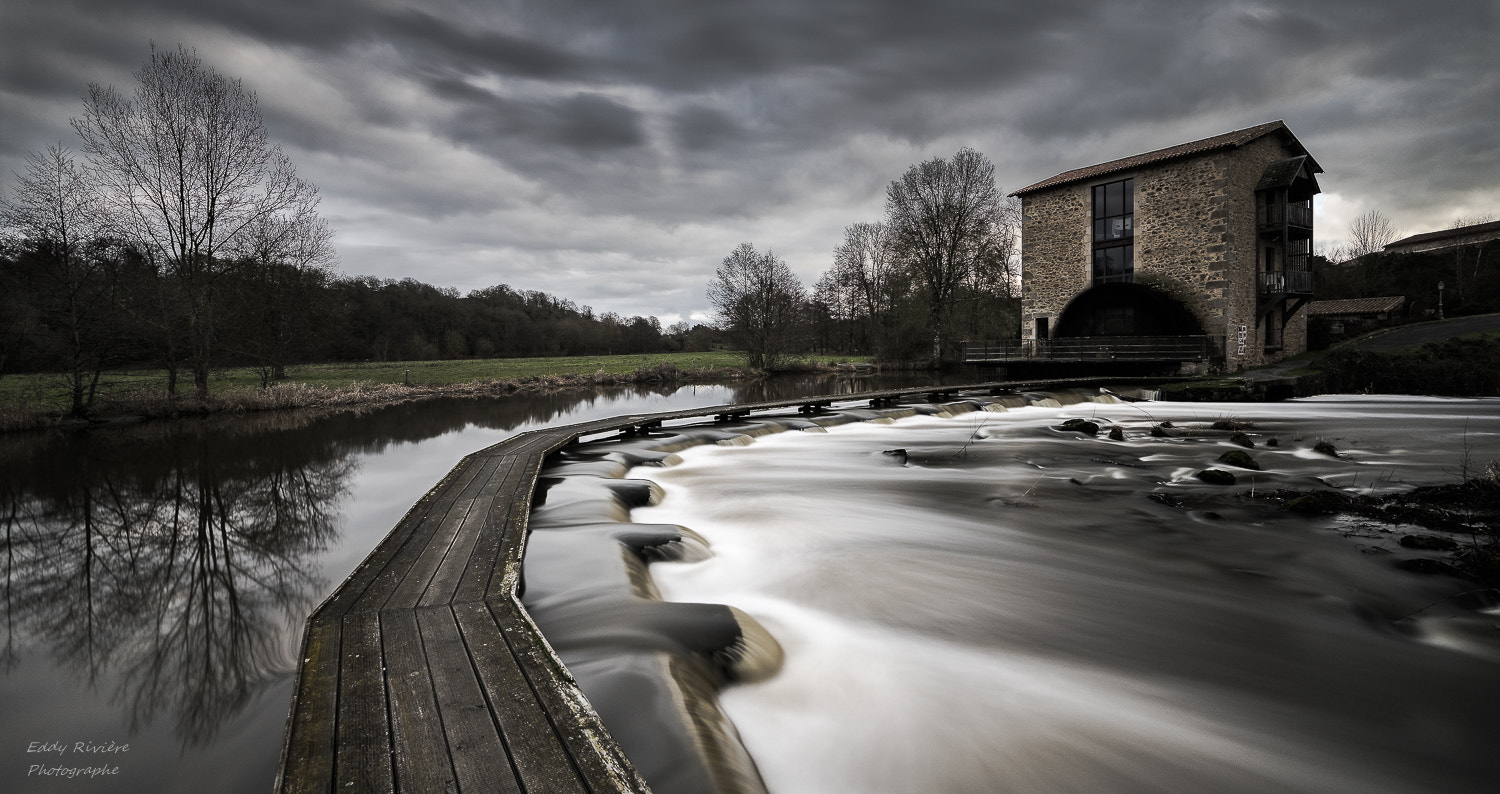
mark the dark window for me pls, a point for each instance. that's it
(1116, 263)
(1114, 231)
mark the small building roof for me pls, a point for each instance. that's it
(1283, 173)
(1357, 305)
(1228, 140)
(1477, 232)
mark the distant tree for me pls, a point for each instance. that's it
(990, 299)
(944, 216)
(1472, 220)
(62, 264)
(1333, 253)
(1370, 232)
(760, 303)
(18, 315)
(862, 285)
(279, 287)
(191, 176)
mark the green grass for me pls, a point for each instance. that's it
(43, 392)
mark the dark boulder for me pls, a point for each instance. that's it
(1216, 477)
(1319, 503)
(1081, 426)
(1240, 459)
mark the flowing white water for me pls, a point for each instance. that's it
(1003, 609)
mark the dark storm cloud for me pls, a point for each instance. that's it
(547, 143)
(699, 128)
(583, 121)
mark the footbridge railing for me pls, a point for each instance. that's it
(1096, 348)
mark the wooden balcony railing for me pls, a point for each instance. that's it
(1096, 348)
(1271, 216)
(1287, 282)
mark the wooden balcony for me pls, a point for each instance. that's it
(1095, 349)
(1287, 282)
(1289, 217)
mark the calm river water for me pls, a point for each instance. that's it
(156, 577)
(968, 619)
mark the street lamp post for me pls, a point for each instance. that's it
(1440, 300)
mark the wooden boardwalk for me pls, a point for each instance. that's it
(423, 673)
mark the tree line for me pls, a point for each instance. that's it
(183, 238)
(942, 265)
(106, 306)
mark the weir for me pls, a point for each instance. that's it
(424, 671)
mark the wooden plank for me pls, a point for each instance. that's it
(476, 546)
(535, 747)
(398, 566)
(357, 585)
(429, 558)
(600, 762)
(486, 554)
(479, 756)
(363, 731)
(307, 753)
(421, 750)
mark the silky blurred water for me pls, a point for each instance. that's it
(1003, 609)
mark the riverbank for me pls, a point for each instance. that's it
(1416, 359)
(35, 401)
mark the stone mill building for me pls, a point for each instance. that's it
(1191, 257)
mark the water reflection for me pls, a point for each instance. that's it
(167, 567)
(166, 574)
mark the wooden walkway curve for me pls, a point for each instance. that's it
(423, 673)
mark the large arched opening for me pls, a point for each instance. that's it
(1125, 309)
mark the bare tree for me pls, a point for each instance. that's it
(1335, 253)
(1474, 220)
(860, 286)
(55, 214)
(760, 301)
(1369, 232)
(191, 174)
(943, 216)
(278, 282)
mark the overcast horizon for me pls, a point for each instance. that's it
(612, 154)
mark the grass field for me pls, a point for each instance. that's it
(48, 393)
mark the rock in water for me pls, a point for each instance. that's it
(1216, 477)
(1235, 457)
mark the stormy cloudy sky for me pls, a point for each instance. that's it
(614, 152)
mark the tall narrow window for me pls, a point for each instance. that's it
(1114, 231)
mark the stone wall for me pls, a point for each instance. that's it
(1195, 240)
(1056, 249)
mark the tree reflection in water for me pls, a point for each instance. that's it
(177, 578)
(170, 565)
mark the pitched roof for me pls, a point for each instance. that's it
(1284, 172)
(1227, 140)
(1458, 235)
(1356, 305)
